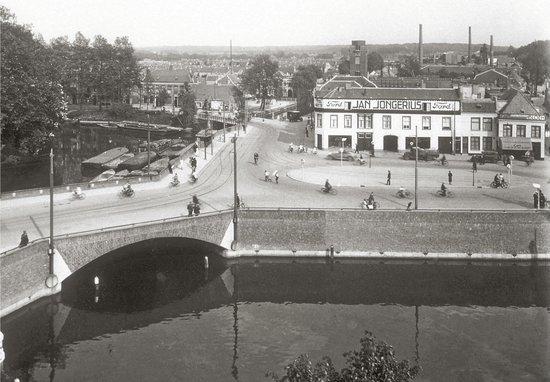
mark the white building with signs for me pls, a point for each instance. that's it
(387, 118)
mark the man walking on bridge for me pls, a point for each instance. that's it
(388, 180)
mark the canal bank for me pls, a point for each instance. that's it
(464, 236)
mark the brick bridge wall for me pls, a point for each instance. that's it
(396, 231)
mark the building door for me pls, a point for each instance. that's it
(364, 141)
(409, 143)
(424, 142)
(458, 145)
(536, 150)
(464, 145)
(445, 145)
(320, 141)
(390, 142)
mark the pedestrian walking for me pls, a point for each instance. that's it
(256, 156)
(450, 176)
(196, 209)
(276, 175)
(244, 128)
(266, 176)
(536, 200)
(190, 206)
(307, 132)
(388, 180)
(474, 165)
(169, 168)
(24, 239)
(409, 206)
(195, 147)
(238, 199)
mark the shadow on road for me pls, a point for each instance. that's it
(508, 201)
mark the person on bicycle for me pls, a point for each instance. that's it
(266, 176)
(328, 187)
(401, 192)
(370, 200)
(496, 180)
(443, 189)
(77, 192)
(444, 160)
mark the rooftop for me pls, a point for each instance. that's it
(171, 76)
(391, 93)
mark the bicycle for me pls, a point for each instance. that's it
(330, 191)
(404, 194)
(448, 194)
(502, 184)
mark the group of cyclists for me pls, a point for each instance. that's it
(300, 149)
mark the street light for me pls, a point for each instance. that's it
(342, 151)
(235, 201)
(223, 117)
(149, 145)
(509, 165)
(416, 167)
(51, 247)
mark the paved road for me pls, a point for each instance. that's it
(296, 188)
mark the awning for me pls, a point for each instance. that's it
(509, 143)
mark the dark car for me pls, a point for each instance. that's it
(486, 157)
(294, 116)
(423, 154)
(346, 155)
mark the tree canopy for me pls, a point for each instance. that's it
(535, 59)
(303, 82)
(187, 106)
(409, 67)
(374, 361)
(374, 62)
(262, 79)
(343, 66)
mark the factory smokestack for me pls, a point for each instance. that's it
(420, 54)
(230, 56)
(491, 52)
(469, 44)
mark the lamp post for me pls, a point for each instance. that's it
(342, 151)
(149, 145)
(510, 170)
(205, 131)
(416, 167)
(235, 202)
(51, 246)
(223, 117)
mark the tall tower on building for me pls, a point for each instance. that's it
(420, 51)
(358, 58)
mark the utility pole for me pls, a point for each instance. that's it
(149, 145)
(205, 131)
(235, 195)
(223, 117)
(416, 167)
(51, 247)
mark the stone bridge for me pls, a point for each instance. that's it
(462, 235)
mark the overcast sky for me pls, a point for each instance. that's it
(285, 22)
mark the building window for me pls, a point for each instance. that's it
(487, 143)
(426, 123)
(334, 121)
(361, 121)
(357, 60)
(369, 121)
(386, 121)
(319, 120)
(406, 123)
(506, 130)
(347, 120)
(474, 143)
(446, 123)
(520, 131)
(475, 123)
(487, 124)
(535, 131)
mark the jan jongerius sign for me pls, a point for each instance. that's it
(387, 105)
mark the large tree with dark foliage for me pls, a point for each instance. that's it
(535, 59)
(32, 99)
(303, 82)
(375, 62)
(409, 67)
(343, 66)
(188, 107)
(262, 79)
(375, 361)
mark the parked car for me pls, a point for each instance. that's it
(486, 157)
(346, 155)
(294, 116)
(423, 154)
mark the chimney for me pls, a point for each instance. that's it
(491, 53)
(420, 44)
(469, 44)
(230, 56)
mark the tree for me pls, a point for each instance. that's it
(126, 69)
(409, 67)
(103, 69)
(375, 62)
(483, 53)
(82, 67)
(238, 96)
(303, 82)
(162, 97)
(31, 95)
(148, 85)
(535, 59)
(343, 66)
(262, 79)
(374, 361)
(187, 105)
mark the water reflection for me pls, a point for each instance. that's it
(456, 321)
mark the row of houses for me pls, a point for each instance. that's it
(448, 120)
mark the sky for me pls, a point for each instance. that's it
(285, 22)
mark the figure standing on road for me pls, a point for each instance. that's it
(24, 239)
(307, 132)
(276, 175)
(256, 156)
(535, 199)
(266, 176)
(474, 165)
(388, 180)
(244, 128)
(197, 209)
(450, 176)
(190, 206)
(169, 168)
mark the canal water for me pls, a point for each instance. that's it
(159, 315)
(74, 144)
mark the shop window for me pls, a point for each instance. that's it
(426, 123)
(406, 123)
(506, 130)
(535, 131)
(474, 123)
(520, 131)
(319, 120)
(474, 143)
(347, 121)
(334, 121)
(369, 121)
(386, 121)
(446, 123)
(487, 124)
(487, 143)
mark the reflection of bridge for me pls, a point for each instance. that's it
(216, 116)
